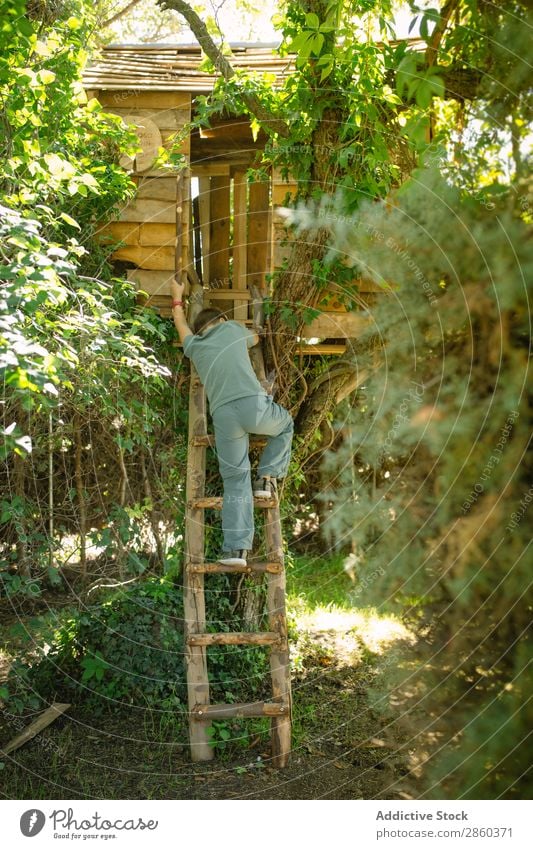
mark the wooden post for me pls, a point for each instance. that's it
(193, 582)
(279, 655)
(185, 223)
(240, 306)
(258, 258)
(204, 204)
(178, 254)
(219, 239)
(197, 252)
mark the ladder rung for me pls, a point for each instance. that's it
(208, 440)
(235, 638)
(258, 568)
(209, 712)
(215, 502)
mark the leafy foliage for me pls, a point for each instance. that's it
(430, 467)
(72, 339)
(128, 650)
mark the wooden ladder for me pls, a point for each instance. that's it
(197, 640)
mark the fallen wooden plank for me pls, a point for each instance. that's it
(42, 721)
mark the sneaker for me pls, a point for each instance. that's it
(265, 487)
(233, 558)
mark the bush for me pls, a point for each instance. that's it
(129, 650)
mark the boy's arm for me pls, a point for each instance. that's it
(178, 312)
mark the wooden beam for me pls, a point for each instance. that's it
(337, 325)
(169, 141)
(157, 234)
(118, 231)
(227, 294)
(169, 120)
(153, 258)
(210, 169)
(153, 282)
(152, 100)
(204, 207)
(146, 210)
(258, 235)
(156, 188)
(240, 307)
(322, 350)
(219, 235)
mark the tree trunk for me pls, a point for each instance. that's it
(80, 492)
(152, 512)
(23, 566)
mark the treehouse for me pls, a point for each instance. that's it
(210, 222)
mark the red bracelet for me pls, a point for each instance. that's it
(177, 304)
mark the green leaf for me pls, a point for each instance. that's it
(25, 443)
(437, 85)
(429, 16)
(70, 220)
(300, 42)
(312, 20)
(46, 76)
(317, 43)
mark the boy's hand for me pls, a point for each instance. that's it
(176, 290)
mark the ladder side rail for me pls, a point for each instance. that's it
(193, 582)
(279, 653)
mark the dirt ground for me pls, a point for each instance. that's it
(343, 749)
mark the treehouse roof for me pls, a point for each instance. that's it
(175, 67)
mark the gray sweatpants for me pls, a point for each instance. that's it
(233, 422)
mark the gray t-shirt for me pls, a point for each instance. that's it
(220, 356)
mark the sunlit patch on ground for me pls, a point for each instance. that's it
(347, 632)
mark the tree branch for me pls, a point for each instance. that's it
(268, 121)
(120, 14)
(440, 28)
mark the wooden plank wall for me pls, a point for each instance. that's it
(235, 227)
(147, 225)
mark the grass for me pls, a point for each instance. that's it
(318, 582)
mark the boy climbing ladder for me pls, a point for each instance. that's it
(239, 406)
